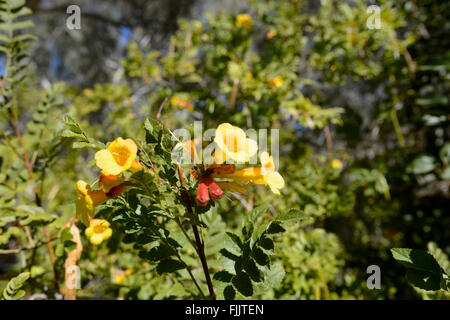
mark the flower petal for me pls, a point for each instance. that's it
(96, 239)
(105, 161)
(232, 186)
(275, 182)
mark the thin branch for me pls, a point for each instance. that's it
(200, 245)
(234, 94)
(329, 140)
(158, 115)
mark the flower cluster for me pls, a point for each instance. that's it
(118, 157)
(232, 144)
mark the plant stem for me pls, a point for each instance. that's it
(200, 248)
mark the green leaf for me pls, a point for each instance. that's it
(229, 293)
(275, 227)
(12, 290)
(422, 164)
(223, 276)
(228, 254)
(424, 280)
(159, 252)
(444, 153)
(243, 284)
(153, 130)
(291, 215)
(432, 100)
(274, 276)
(266, 243)
(169, 266)
(260, 257)
(254, 214)
(235, 239)
(66, 235)
(71, 124)
(252, 270)
(416, 259)
(445, 174)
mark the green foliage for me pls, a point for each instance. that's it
(12, 290)
(424, 271)
(248, 257)
(13, 46)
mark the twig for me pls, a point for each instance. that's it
(329, 140)
(158, 115)
(17, 250)
(200, 248)
(234, 93)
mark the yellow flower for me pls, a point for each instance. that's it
(118, 157)
(87, 200)
(233, 144)
(98, 231)
(265, 174)
(119, 278)
(275, 82)
(336, 164)
(128, 271)
(244, 21)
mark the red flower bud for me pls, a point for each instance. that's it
(214, 189)
(202, 193)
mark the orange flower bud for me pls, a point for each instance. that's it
(214, 189)
(202, 193)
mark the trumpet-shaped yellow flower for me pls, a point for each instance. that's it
(98, 231)
(265, 174)
(86, 201)
(244, 21)
(233, 144)
(118, 157)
